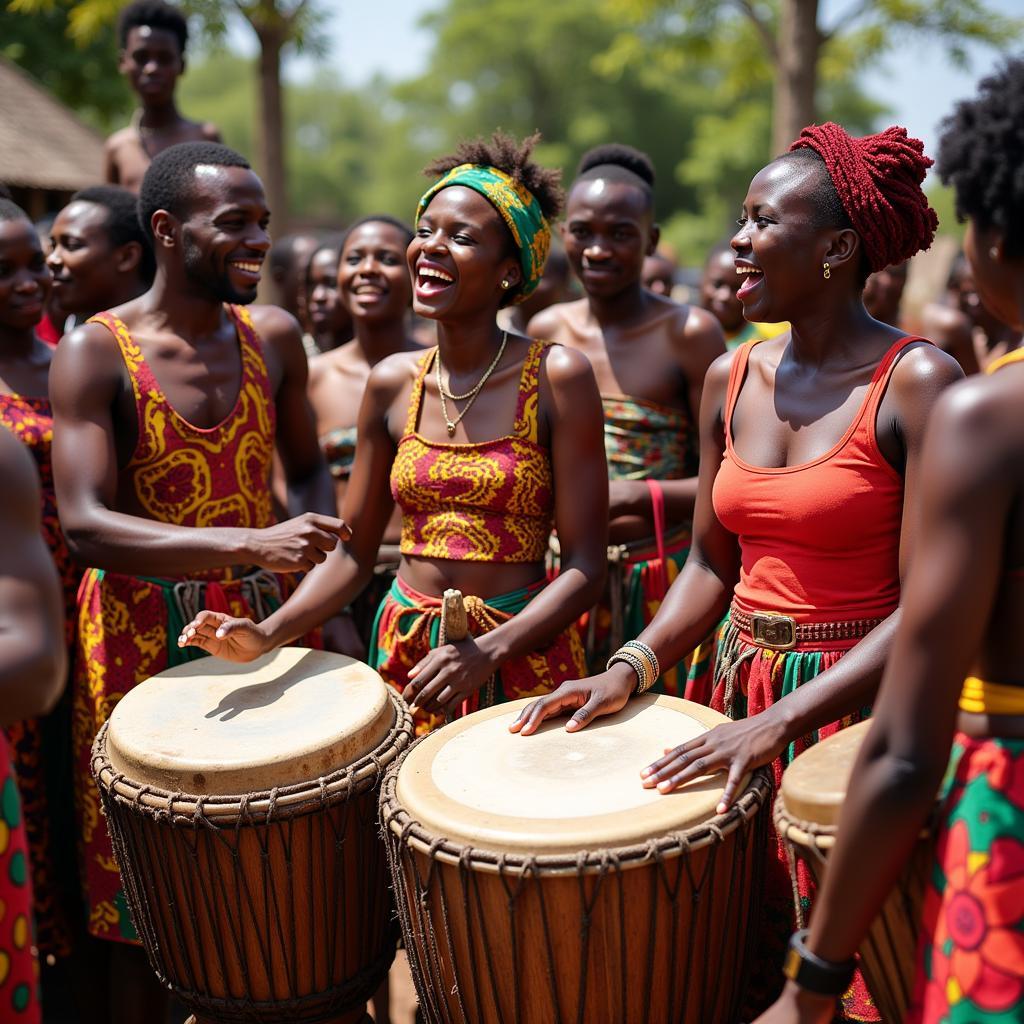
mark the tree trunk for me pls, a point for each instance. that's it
(796, 71)
(270, 130)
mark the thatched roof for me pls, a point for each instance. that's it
(42, 143)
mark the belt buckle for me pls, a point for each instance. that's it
(775, 631)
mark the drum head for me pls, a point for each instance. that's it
(212, 727)
(556, 792)
(814, 785)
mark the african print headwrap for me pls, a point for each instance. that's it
(519, 209)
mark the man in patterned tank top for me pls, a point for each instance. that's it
(168, 410)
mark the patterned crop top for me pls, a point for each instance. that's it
(492, 501)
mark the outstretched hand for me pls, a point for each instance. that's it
(592, 697)
(225, 637)
(736, 747)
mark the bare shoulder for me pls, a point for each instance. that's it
(977, 427)
(117, 140)
(696, 335)
(552, 323)
(394, 373)
(564, 363)
(276, 325)
(924, 367)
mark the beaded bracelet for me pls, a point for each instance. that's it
(645, 653)
(641, 659)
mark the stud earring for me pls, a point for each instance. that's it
(993, 253)
(826, 273)
(506, 285)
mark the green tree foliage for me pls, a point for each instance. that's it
(798, 49)
(80, 71)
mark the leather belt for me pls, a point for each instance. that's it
(783, 633)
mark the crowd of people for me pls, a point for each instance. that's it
(774, 499)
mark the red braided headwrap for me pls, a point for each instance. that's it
(878, 178)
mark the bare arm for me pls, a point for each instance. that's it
(33, 655)
(111, 172)
(85, 380)
(970, 476)
(307, 478)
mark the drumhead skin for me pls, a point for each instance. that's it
(814, 786)
(556, 792)
(213, 727)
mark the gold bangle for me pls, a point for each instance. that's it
(645, 652)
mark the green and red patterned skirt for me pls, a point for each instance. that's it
(408, 627)
(971, 965)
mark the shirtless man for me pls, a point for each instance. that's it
(99, 255)
(650, 356)
(153, 35)
(165, 413)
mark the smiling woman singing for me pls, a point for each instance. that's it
(484, 442)
(809, 449)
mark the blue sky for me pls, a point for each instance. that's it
(917, 81)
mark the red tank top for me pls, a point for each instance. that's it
(819, 541)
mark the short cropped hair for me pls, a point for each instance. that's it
(169, 183)
(122, 223)
(152, 14)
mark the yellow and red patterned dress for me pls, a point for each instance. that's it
(128, 625)
(40, 748)
(492, 501)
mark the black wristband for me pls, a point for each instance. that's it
(810, 971)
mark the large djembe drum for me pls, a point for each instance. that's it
(242, 805)
(537, 881)
(806, 816)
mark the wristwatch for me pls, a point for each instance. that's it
(809, 971)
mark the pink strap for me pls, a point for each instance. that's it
(658, 506)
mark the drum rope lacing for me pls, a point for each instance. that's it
(422, 866)
(193, 880)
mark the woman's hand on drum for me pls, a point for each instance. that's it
(798, 1006)
(736, 747)
(225, 637)
(592, 697)
(447, 676)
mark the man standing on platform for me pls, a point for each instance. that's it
(167, 413)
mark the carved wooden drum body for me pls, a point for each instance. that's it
(241, 800)
(537, 881)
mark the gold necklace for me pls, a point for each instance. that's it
(470, 396)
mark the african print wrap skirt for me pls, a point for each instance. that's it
(408, 626)
(971, 962)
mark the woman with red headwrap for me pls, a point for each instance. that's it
(809, 449)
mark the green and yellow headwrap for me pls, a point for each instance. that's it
(519, 209)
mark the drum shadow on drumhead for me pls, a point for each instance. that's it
(258, 695)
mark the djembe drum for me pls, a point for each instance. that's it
(806, 816)
(538, 881)
(241, 801)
